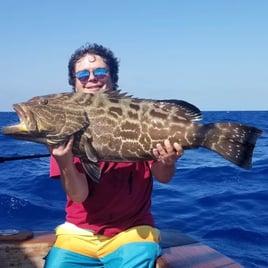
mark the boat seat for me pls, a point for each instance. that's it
(28, 249)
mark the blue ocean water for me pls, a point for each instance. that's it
(209, 198)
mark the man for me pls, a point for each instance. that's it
(108, 224)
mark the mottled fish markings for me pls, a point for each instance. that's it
(112, 126)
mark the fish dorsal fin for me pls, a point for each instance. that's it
(190, 111)
(184, 108)
(117, 93)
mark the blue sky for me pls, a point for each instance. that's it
(213, 54)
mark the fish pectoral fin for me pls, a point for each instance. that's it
(91, 153)
(93, 171)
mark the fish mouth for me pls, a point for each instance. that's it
(26, 124)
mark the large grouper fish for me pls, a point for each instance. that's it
(113, 126)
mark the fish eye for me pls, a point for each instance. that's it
(43, 101)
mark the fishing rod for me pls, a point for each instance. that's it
(11, 158)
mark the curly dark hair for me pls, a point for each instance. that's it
(105, 53)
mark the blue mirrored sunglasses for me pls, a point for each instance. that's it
(85, 74)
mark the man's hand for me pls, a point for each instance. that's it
(164, 168)
(63, 153)
(168, 154)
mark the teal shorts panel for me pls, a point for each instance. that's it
(132, 255)
(62, 258)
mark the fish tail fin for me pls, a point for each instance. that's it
(235, 142)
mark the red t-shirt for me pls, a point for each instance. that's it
(121, 200)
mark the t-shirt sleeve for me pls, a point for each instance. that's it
(54, 171)
(150, 162)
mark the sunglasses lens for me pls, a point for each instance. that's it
(100, 72)
(83, 75)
